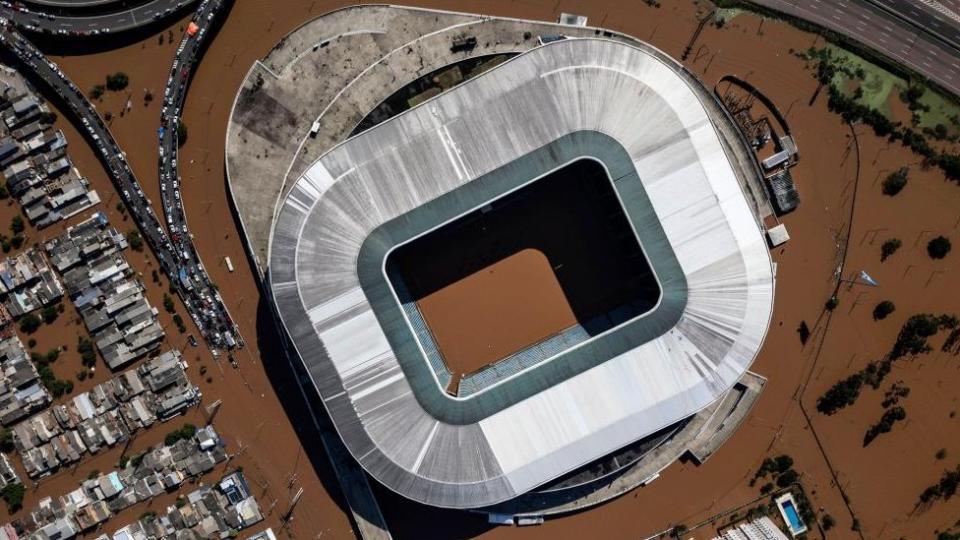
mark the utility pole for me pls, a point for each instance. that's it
(288, 515)
(212, 410)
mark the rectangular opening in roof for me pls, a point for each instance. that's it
(555, 256)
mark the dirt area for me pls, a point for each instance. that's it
(881, 482)
(497, 311)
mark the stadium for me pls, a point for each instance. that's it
(521, 276)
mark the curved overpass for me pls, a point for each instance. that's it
(37, 19)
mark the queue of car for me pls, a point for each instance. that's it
(177, 257)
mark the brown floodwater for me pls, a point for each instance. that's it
(281, 453)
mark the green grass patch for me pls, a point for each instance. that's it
(877, 84)
(943, 110)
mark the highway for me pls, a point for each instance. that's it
(939, 18)
(897, 37)
(200, 297)
(42, 21)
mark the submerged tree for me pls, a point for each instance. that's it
(889, 248)
(896, 182)
(939, 247)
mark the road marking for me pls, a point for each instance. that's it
(942, 9)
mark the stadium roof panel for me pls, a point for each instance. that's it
(362, 197)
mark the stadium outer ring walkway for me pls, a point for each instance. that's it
(592, 84)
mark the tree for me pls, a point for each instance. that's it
(97, 91)
(938, 247)
(13, 495)
(168, 303)
(889, 248)
(912, 339)
(6, 440)
(178, 320)
(841, 394)
(883, 309)
(87, 353)
(788, 477)
(950, 164)
(945, 488)
(911, 95)
(181, 133)
(118, 81)
(49, 313)
(827, 522)
(16, 225)
(29, 323)
(782, 463)
(185, 432)
(135, 241)
(890, 417)
(895, 182)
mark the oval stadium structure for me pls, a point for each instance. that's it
(596, 163)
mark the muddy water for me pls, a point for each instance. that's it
(497, 311)
(882, 480)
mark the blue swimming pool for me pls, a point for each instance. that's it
(796, 525)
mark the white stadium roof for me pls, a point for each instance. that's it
(647, 120)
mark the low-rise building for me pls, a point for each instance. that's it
(108, 414)
(217, 511)
(28, 283)
(34, 160)
(121, 321)
(21, 392)
(8, 474)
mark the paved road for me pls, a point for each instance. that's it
(36, 20)
(895, 37)
(71, 4)
(940, 18)
(175, 93)
(202, 300)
